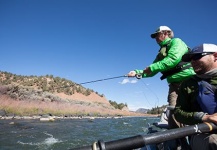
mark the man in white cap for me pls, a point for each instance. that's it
(168, 62)
(197, 98)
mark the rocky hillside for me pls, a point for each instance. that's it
(30, 95)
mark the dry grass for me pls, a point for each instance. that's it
(28, 108)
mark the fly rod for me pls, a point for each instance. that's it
(104, 79)
(138, 76)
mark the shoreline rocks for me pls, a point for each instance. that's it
(54, 118)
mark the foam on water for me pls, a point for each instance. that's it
(46, 143)
(51, 140)
(125, 123)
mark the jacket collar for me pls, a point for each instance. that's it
(165, 42)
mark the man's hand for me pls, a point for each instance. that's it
(210, 118)
(131, 74)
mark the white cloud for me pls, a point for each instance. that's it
(125, 81)
(134, 81)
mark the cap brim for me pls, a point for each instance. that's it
(153, 35)
(187, 57)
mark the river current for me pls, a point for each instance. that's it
(64, 134)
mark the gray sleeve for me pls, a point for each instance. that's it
(199, 115)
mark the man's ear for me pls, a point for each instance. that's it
(215, 55)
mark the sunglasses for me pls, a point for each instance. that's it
(199, 56)
(158, 34)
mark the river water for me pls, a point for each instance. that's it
(65, 134)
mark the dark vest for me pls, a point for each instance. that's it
(207, 97)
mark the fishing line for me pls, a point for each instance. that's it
(103, 79)
(94, 81)
(146, 99)
(151, 91)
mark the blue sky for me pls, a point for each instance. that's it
(87, 40)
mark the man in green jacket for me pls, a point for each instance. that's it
(197, 99)
(168, 62)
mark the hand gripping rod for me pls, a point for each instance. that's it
(138, 76)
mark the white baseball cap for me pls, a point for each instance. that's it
(159, 29)
(203, 48)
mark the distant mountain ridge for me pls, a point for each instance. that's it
(142, 110)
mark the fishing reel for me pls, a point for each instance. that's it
(139, 76)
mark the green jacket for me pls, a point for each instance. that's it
(187, 110)
(168, 57)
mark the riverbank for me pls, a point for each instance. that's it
(54, 118)
(11, 108)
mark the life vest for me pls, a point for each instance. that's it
(179, 67)
(207, 97)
